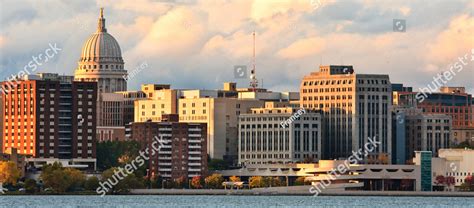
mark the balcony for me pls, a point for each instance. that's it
(194, 135)
(164, 169)
(195, 147)
(194, 158)
(164, 152)
(194, 153)
(194, 141)
(194, 170)
(194, 164)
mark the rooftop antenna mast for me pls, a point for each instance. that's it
(253, 77)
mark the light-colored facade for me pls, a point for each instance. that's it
(354, 107)
(457, 163)
(158, 103)
(279, 135)
(111, 109)
(101, 61)
(221, 116)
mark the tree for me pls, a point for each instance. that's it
(196, 182)
(30, 186)
(214, 181)
(217, 164)
(234, 179)
(180, 182)
(62, 179)
(440, 180)
(91, 184)
(300, 181)
(468, 184)
(9, 172)
(76, 179)
(256, 182)
(113, 154)
(123, 183)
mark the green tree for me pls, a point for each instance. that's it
(62, 179)
(214, 181)
(91, 183)
(9, 173)
(130, 181)
(217, 164)
(30, 186)
(116, 153)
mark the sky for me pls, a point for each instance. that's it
(193, 44)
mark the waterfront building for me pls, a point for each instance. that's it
(456, 163)
(182, 147)
(355, 107)
(423, 159)
(322, 175)
(279, 134)
(50, 118)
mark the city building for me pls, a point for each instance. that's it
(1, 123)
(50, 118)
(355, 107)
(220, 113)
(111, 112)
(101, 61)
(322, 176)
(457, 163)
(160, 100)
(182, 151)
(423, 159)
(129, 98)
(279, 134)
(426, 132)
(111, 133)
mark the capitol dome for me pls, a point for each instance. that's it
(101, 46)
(101, 60)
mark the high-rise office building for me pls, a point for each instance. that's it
(279, 134)
(52, 118)
(354, 107)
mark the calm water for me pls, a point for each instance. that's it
(229, 201)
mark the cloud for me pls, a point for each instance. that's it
(302, 48)
(195, 44)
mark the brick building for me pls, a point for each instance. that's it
(183, 151)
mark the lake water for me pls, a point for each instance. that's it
(229, 201)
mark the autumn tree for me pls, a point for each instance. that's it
(196, 182)
(300, 181)
(9, 172)
(234, 179)
(256, 182)
(214, 181)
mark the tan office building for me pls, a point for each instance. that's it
(355, 107)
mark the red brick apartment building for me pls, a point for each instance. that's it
(50, 118)
(183, 151)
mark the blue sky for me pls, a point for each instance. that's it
(195, 44)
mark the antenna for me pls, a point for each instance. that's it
(253, 77)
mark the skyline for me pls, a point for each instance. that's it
(162, 34)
